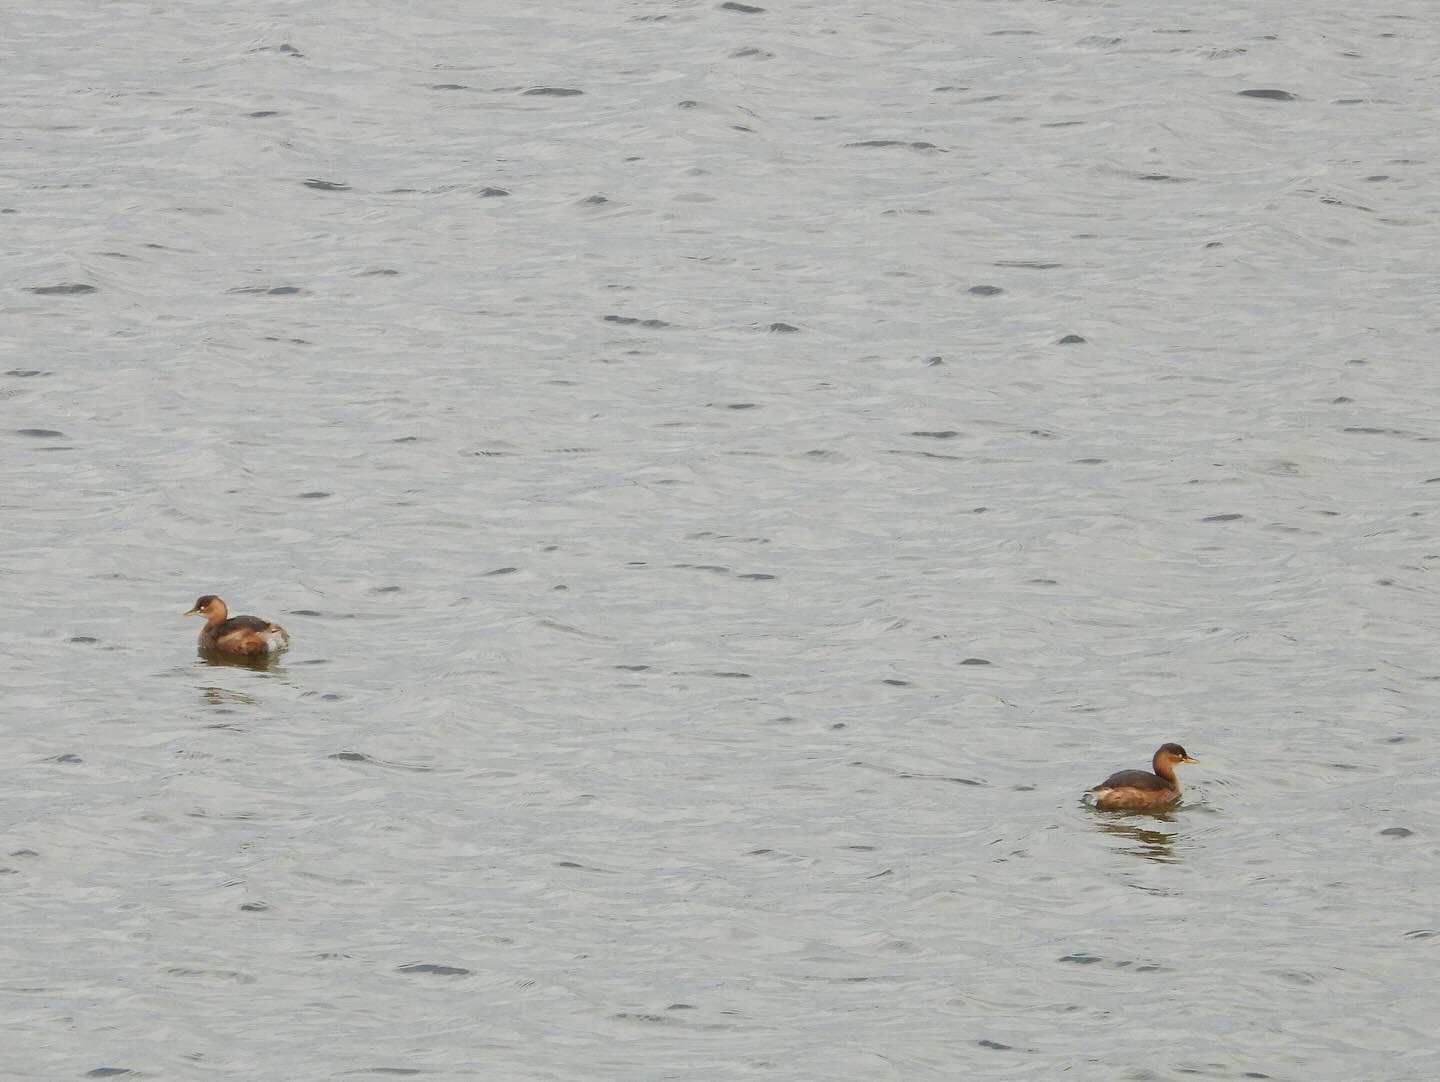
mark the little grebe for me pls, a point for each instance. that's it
(1136, 790)
(242, 636)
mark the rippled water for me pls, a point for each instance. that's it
(733, 477)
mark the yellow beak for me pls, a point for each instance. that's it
(1187, 759)
(194, 612)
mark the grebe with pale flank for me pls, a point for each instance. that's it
(240, 636)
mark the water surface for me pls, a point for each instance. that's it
(734, 473)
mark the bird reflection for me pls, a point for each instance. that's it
(224, 696)
(257, 662)
(1149, 843)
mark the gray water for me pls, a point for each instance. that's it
(733, 479)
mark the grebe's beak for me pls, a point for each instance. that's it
(1187, 759)
(195, 612)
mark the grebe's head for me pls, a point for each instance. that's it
(206, 605)
(1174, 753)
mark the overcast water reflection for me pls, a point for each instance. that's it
(733, 475)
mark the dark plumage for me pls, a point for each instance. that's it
(1134, 779)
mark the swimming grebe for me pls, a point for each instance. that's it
(1135, 790)
(242, 636)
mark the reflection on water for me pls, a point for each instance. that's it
(258, 662)
(224, 696)
(1149, 842)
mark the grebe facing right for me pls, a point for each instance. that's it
(238, 636)
(1139, 790)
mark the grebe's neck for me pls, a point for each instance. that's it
(216, 615)
(1164, 768)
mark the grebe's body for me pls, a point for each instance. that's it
(238, 636)
(1139, 790)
